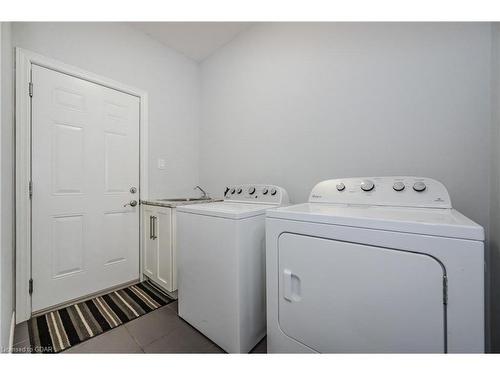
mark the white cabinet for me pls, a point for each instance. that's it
(159, 250)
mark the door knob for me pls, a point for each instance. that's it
(131, 204)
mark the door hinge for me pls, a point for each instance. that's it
(30, 288)
(30, 189)
(445, 290)
(30, 89)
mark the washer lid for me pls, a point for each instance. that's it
(229, 210)
(430, 221)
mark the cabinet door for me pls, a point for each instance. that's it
(174, 249)
(150, 246)
(164, 242)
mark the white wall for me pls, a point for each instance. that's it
(121, 52)
(7, 185)
(495, 191)
(293, 104)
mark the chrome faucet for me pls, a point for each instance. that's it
(204, 194)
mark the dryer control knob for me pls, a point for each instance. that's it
(419, 186)
(233, 190)
(273, 191)
(239, 190)
(341, 186)
(265, 191)
(367, 185)
(398, 186)
(251, 190)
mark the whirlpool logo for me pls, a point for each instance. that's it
(316, 196)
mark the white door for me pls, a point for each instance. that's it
(85, 161)
(339, 297)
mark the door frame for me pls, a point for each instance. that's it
(24, 61)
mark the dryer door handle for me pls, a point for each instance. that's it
(291, 286)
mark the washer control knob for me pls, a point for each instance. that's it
(233, 190)
(251, 190)
(226, 190)
(239, 190)
(398, 186)
(273, 191)
(341, 186)
(265, 191)
(367, 185)
(419, 186)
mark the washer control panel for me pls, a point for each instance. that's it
(401, 191)
(256, 193)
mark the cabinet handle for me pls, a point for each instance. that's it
(155, 220)
(150, 226)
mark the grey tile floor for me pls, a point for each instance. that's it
(161, 331)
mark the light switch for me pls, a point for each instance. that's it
(162, 164)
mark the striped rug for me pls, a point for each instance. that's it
(61, 329)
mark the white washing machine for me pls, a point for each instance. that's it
(221, 265)
(375, 265)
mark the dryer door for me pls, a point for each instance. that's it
(340, 297)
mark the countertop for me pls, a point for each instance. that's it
(173, 204)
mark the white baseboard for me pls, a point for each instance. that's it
(12, 327)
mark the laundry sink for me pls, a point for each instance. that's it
(174, 202)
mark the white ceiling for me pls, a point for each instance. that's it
(196, 40)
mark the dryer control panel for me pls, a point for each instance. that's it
(404, 191)
(256, 193)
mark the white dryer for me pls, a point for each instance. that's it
(375, 265)
(221, 265)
